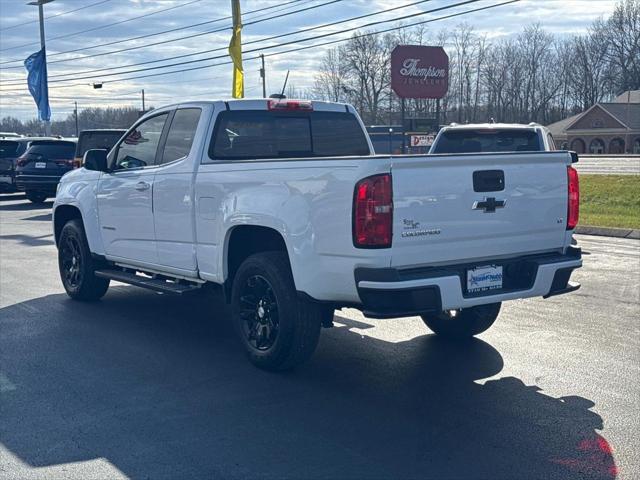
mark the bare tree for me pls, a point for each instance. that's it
(532, 76)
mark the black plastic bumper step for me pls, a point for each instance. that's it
(157, 284)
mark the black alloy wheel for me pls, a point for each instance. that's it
(259, 313)
(277, 328)
(71, 259)
(77, 266)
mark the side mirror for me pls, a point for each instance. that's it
(95, 160)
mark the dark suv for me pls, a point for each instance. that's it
(102, 139)
(10, 150)
(41, 166)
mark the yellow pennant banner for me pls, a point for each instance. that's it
(235, 51)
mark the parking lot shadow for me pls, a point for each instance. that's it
(12, 196)
(31, 240)
(45, 217)
(158, 386)
(25, 206)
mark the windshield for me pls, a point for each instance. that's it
(252, 134)
(97, 140)
(485, 140)
(58, 150)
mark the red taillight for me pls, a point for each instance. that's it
(73, 163)
(21, 162)
(573, 209)
(373, 212)
(290, 105)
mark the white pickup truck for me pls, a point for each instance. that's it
(285, 205)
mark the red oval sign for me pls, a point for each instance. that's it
(419, 72)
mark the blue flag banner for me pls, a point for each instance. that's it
(36, 65)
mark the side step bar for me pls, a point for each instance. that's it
(157, 284)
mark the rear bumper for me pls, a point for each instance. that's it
(390, 292)
(7, 182)
(39, 183)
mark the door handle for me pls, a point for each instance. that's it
(141, 186)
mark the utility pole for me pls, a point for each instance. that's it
(40, 4)
(143, 107)
(263, 77)
(75, 113)
(627, 145)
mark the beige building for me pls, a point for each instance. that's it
(605, 128)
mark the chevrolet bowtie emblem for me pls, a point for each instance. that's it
(489, 205)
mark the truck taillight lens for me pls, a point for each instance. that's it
(290, 105)
(373, 212)
(573, 209)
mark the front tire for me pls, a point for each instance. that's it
(36, 197)
(463, 323)
(77, 266)
(277, 329)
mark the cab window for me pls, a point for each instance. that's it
(140, 146)
(181, 134)
(469, 140)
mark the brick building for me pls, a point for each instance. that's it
(605, 128)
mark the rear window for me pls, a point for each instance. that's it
(250, 134)
(8, 149)
(97, 140)
(477, 141)
(60, 150)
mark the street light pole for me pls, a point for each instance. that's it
(263, 77)
(75, 113)
(40, 4)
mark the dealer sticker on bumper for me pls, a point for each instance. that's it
(481, 279)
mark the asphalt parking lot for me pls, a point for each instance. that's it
(141, 385)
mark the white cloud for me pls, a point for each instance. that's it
(558, 16)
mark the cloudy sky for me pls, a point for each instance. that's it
(76, 42)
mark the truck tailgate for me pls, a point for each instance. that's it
(458, 208)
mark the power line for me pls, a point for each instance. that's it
(330, 2)
(297, 32)
(317, 27)
(216, 57)
(331, 42)
(222, 29)
(269, 47)
(105, 26)
(56, 15)
(278, 7)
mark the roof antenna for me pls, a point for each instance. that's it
(285, 84)
(280, 96)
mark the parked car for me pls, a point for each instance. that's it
(284, 205)
(103, 139)
(10, 150)
(41, 166)
(9, 135)
(493, 137)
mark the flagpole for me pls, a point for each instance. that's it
(40, 4)
(235, 51)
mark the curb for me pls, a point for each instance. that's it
(608, 232)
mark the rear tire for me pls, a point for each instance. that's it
(36, 197)
(277, 329)
(466, 323)
(77, 266)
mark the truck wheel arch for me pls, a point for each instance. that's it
(245, 240)
(62, 215)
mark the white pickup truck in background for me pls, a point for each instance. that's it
(285, 205)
